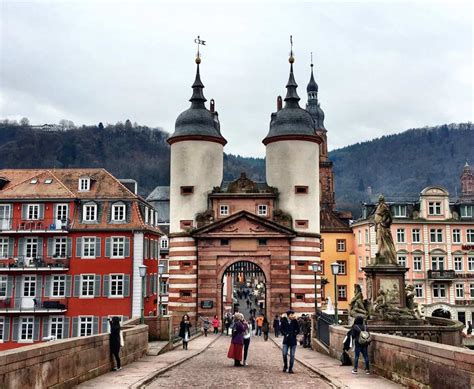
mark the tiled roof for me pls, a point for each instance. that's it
(330, 222)
(159, 193)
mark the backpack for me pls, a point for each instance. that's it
(364, 337)
(345, 359)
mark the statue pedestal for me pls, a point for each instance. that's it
(390, 278)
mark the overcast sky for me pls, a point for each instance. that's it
(382, 67)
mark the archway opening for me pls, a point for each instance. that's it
(244, 290)
(441, 312)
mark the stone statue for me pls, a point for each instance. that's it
(386, 253)
(357, 307)
(412, 306)
(380, 305)
(393, 296)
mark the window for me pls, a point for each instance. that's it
(60, 248)
(85, 325)
(402, 260)
(470, 263)
(187, 190)
(4, 248)
(456, 236)
(399, 210)
(31, 247)
(164, 243)
(34, 181)
(415, 235)
(262, 210)
(163, 287)
(434, 208)
(360, 263)
(458, 263)
(26, 329)
(87, 285)
(342, 267)
(185, 224)
(185, 293)
(224, 242)
(48, 181)
(88, 247)
(471, 291)
(341, 245)
(118, 212)
(419, 290)
(224, 210)
(33, 212)
(467, 211)
(366, 236)
(2, 328)
(359, 237)
(321, 245)
(62, 212)
(116, 285)
(262, 242)
(56, 327)
(437, 263)
(342, 292)
(58, 286)
(300, 189)
(400, 235)
(118, 247)
(84, 184)
(3, 286)
(417, 263)
(459, 291)
(470, 236)
(90, 212)
(436, 235)
(439, 290)
(29, 286)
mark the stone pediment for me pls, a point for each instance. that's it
(244, 224)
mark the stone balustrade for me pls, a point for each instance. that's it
(65, 363)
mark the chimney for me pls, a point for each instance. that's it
(279, 103)
(130, 184)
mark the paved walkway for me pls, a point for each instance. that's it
(212, 369)
(339, 376)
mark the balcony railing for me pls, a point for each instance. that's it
(31, 304)
(40, 225)
(35, 263)
(441, 274)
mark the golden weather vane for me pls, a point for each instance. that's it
(199, 42)
(292, 59)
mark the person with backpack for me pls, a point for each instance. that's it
(362, 338)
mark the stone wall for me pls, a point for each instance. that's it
(65, 363)
(414, 363)
(159, 327)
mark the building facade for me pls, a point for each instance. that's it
(71, 241)
(434, 238)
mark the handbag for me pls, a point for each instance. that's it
(122, 342)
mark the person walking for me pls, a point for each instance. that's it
(265, 328)
(116, 340)
(227, 323)
(215, 324)
(247, 336)
(237, 341)
(206, 324)
(276, 326)
(185, 331)
(289, 342)
(259, 321)
(469, 328)
(361, 338)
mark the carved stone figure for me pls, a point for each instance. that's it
(386, 253)
(410, 301)
(357, 303)
(380, 305)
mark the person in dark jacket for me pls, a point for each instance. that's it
(265, 328)
(357, 327)
(185, 331)
(289, 341)
(115, 340)
(237, 341)
(276, 326)
(284, 324)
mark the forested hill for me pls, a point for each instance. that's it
(396, 165)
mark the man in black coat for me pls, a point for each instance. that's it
(289, 341)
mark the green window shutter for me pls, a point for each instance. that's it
(6, 329)
(17, 291)
(47, 286)
(107, 247)
(39, 286)
(36, 329)
(11, 245)
(16, 326)
(24, 211)
(21, 247)
(41, 211)
(97, 286)
(40, 247)
(68, 285)
(9, 286)
(127, 247)
(69, 247)
(106, 286)
(95, 325)
(128, 210)
(50, 247)
(66, 327)
(126, 285)
(146, 248)
(45, 327)
(104, 324)
(78, 247)
(77, 285)
(75, 327)
(98, 253)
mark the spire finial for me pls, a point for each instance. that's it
(291, 59)
(198, 41)
(311, 60)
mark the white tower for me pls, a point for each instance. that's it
(292, 160)
(197, 159)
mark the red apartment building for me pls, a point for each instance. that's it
(71, 243)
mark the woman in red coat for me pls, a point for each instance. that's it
(215, 324)
(237, 341)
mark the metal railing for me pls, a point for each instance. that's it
(37, 225)
(39, 262)
(441, 274)
(323, 322)
(31, 305)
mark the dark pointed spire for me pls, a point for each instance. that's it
(198, 99)
(292, 97)
(312, 86)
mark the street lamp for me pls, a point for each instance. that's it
(335, 271)
(142, 270)
(161, 269)
(317, 268)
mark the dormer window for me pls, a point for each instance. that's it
(467, 211)
(118, 212)
(224, 210)
(89, 212)
(84, 184)
(399, 210)
(164, 242)
(34, 181)
(434, 208)
(262, 210)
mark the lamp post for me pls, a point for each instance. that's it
(335, 271)
(142, 270)
(161, 269)
(316, 267)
